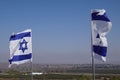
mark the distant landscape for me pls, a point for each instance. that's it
(59, 72)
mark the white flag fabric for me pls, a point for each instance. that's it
(20, 47)
(101, 25)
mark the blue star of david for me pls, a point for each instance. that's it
(98, 36)
(23, 45)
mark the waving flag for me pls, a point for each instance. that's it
(101, 25)
(20, 47)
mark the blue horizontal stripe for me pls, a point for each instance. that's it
(20, 57)
(95, 16)
(20, 36)
(100, 50)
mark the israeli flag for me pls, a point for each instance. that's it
(101, 25)
(20, 47)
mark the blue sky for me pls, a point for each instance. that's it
(60, 28)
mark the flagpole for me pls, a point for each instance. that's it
(31, 70)
(93, 61)
(31, 60)
(93, 65)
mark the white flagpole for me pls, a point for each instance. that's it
(31, 60)
(93, 64)
(31, 70)
(93, 61)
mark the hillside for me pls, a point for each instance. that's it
(64, 68)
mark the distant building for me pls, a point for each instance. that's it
(37, 73)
